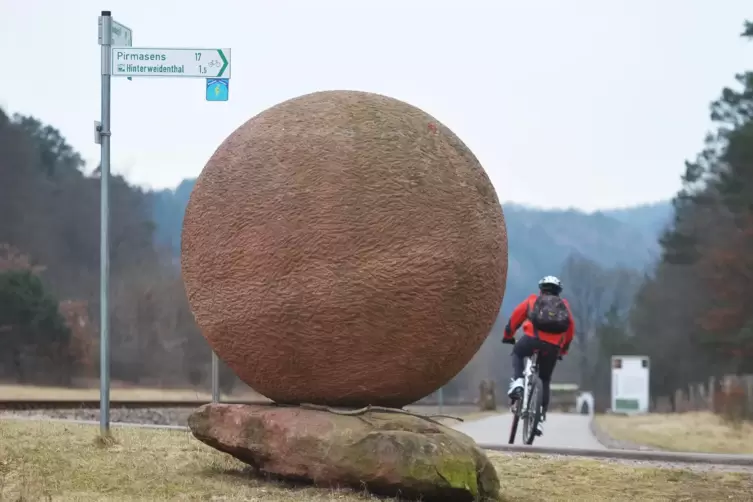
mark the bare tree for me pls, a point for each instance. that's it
(592, 291)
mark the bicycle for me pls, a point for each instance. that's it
(522, 406)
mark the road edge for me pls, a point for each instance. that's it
(611, 443)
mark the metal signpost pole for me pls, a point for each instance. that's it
(104, 300)
(215, 378)
(440, 397)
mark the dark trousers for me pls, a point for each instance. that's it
(548, 353)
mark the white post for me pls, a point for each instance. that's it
(215, 378)
(105, 40)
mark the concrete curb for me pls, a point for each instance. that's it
(651, 456)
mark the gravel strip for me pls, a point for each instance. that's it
(158, 416)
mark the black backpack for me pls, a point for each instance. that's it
(549, 314)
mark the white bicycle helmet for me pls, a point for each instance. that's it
(550, 282)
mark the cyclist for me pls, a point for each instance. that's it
(548, 327)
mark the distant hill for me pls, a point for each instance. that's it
(540, 240)
(168, 209)
(649, 218)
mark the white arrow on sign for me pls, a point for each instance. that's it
(151, 62)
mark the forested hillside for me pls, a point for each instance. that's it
(49, 271)
(50, 253)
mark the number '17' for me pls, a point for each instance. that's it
(198, 56)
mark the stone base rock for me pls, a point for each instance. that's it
(391, 454)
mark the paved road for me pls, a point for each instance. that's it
(563, 430)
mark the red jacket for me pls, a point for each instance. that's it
(520, 316)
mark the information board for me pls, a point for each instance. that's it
(630, 384)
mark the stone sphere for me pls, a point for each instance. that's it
(344, 248)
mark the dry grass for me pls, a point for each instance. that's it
(690, 432)
(66, 462)
(29, 392)
(532, 478)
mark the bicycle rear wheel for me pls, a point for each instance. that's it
(533, 415)
(515, 408)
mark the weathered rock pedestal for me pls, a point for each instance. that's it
(388, 453)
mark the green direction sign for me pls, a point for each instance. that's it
(152, 62)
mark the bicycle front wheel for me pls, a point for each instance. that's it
(533, 413)
(515, 408)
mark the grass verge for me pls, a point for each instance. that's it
(690, 432)
(67, 462)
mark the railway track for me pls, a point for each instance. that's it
(87, 404)
(93, 404)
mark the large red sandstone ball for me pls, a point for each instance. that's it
(344, 248)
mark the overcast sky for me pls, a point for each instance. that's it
(578, 103)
